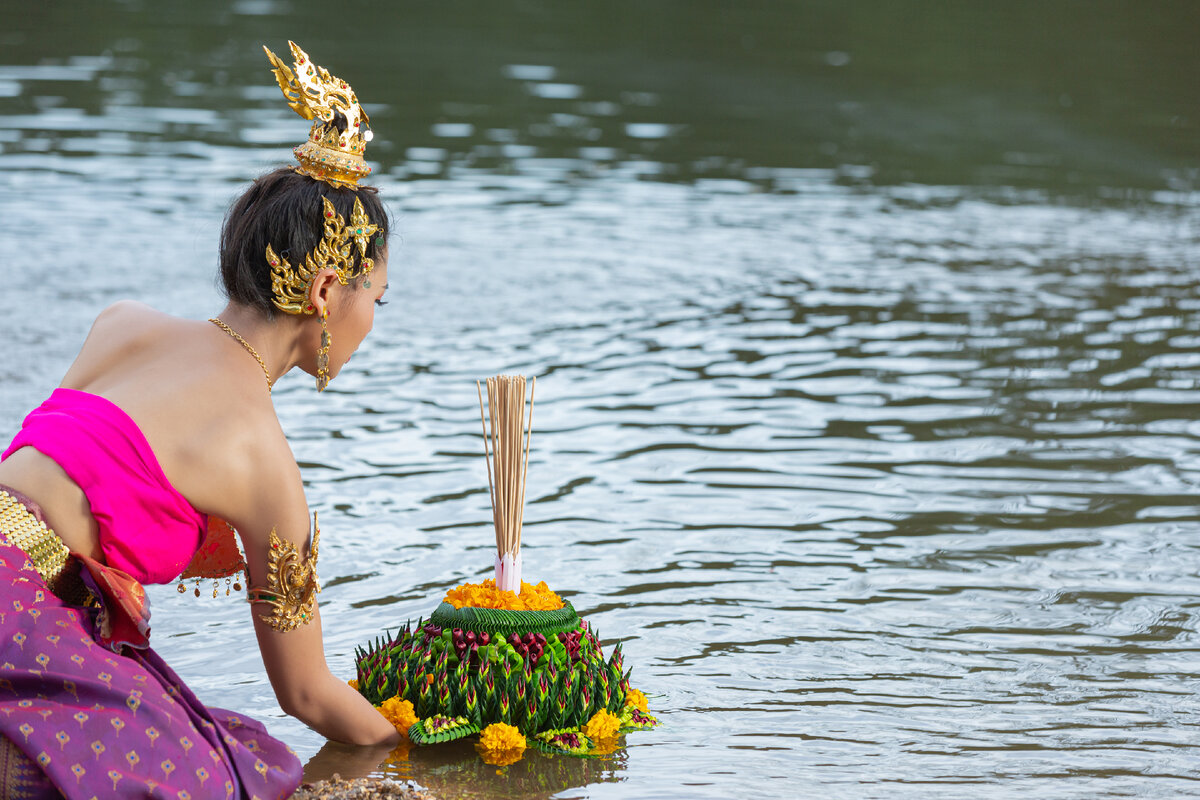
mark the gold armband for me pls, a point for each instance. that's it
(292, 583)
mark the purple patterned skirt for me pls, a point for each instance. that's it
(81, 721)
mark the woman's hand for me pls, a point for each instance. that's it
(308, 691)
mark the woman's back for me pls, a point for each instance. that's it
(172, 378)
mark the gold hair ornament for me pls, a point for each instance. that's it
(292, 583)
(290, 285)
(330, 155)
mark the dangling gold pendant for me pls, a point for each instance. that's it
(323, 354)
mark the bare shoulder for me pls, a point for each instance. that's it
(131, 318)
(123, 328)
(129, 308)
(245, 470)
(266, 499)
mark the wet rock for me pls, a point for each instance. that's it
(337, 788)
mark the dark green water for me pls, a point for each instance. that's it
(867, 344)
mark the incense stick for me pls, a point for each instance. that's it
(525, 468)
(508, 463)
(486, 456)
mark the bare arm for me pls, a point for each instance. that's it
(295, 658)
(307, 690)
(235, 464)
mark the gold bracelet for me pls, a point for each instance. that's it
(292, 583)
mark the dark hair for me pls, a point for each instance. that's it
(283, 209)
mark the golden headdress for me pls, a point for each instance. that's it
(334, 150)
(333, 154)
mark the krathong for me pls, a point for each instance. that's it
(503, 658)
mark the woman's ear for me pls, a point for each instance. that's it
(321, 291)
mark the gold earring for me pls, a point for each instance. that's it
(323, 353)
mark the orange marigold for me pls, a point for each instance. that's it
(636, 699)
(353, 684)
(486, 595)
(498, 737)
(602, 725)
(398, 712)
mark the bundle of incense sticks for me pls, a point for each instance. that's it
(508, 465)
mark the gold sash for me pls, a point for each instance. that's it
(49, 555)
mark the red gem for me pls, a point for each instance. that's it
(329, 213)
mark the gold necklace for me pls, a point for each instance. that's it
(221, 324)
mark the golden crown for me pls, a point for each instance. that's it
(332, 153)
(290, 285)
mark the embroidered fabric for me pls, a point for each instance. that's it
(87, 707)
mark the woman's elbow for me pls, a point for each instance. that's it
(303, 697)
(295, 702)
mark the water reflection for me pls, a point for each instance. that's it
(456, 770)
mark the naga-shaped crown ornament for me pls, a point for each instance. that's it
(290, 285)
(340, 130)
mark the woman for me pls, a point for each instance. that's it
(161, 432)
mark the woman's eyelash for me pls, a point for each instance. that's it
(381, 302)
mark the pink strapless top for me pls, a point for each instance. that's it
(147, 528)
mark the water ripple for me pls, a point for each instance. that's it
(889, 489)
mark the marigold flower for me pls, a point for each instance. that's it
(636, 699)
(353, 684)
(486, 595)
(602, 725)
(398, 712)
(499, 736)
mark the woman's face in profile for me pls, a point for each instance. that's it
(353, 319)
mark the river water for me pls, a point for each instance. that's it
(867, 345)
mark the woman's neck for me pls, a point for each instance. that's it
(279, 342)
